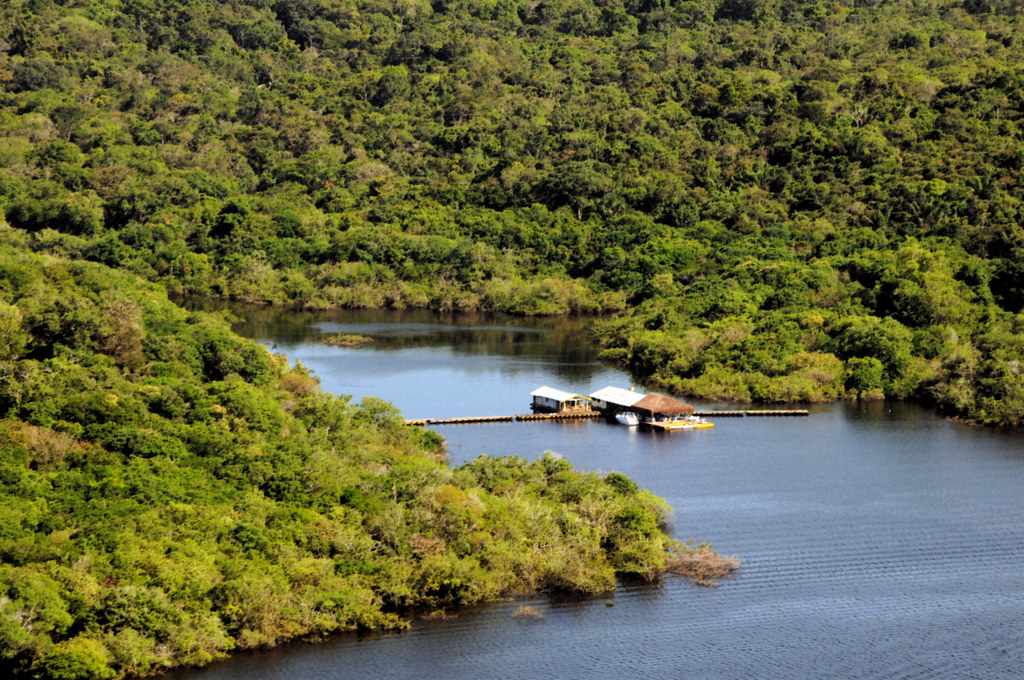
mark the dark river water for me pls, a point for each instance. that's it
(877, 540)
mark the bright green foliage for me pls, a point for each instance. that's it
(866, 376)
(79, 658)
(171, 492)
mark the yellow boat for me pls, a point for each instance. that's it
(681, 423)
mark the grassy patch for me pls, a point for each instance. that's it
(347, 340)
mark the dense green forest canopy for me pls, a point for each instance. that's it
(170, 492)
(780, 199)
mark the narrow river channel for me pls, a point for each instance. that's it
(877, 540)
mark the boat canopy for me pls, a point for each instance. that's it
(617, 396)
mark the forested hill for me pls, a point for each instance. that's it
(783, 199)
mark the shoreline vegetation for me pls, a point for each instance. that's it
(172, 492)
(819, 378)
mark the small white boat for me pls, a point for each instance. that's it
(627, 418)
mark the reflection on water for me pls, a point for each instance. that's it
(878, 541)
(559, 344)
(431, 366)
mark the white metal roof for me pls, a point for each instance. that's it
(552, 393)
(617, 396)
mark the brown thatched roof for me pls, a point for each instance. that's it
(658, 403)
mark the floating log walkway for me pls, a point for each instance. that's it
(757, 412)
(569, 415)
(460, 421)
(590, 415)
(579, 415)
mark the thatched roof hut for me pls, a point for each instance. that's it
(659, 405)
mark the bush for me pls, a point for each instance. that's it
(80, 658)
(865, 376)
(37, 74)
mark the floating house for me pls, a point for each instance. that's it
(612, 400)
(556, 401)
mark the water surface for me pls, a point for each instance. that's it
(877, 540)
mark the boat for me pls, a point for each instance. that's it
(685, 422)
(627, 418)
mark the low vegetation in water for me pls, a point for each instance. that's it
(701, 564)
(528, 612)
(347, 340)
(171, 492)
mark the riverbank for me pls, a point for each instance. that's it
(717, 362)
(174, 492)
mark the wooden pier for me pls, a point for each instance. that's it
(592, 415)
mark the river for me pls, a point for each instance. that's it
(877, 540)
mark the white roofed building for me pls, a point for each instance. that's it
(614, 399)
(549, 399)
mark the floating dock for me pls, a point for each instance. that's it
(551, 404)
(577, 415)
(568, 415)
(591, 415)
(778, 413)
(460, 421)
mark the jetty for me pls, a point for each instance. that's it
(572, 415)
(754, 412)
(553, 404)
(460, 421)
(567, 415)
(594, 415)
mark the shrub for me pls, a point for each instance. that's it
(80, 658)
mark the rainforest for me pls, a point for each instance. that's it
(773, 200)
(763, 200)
